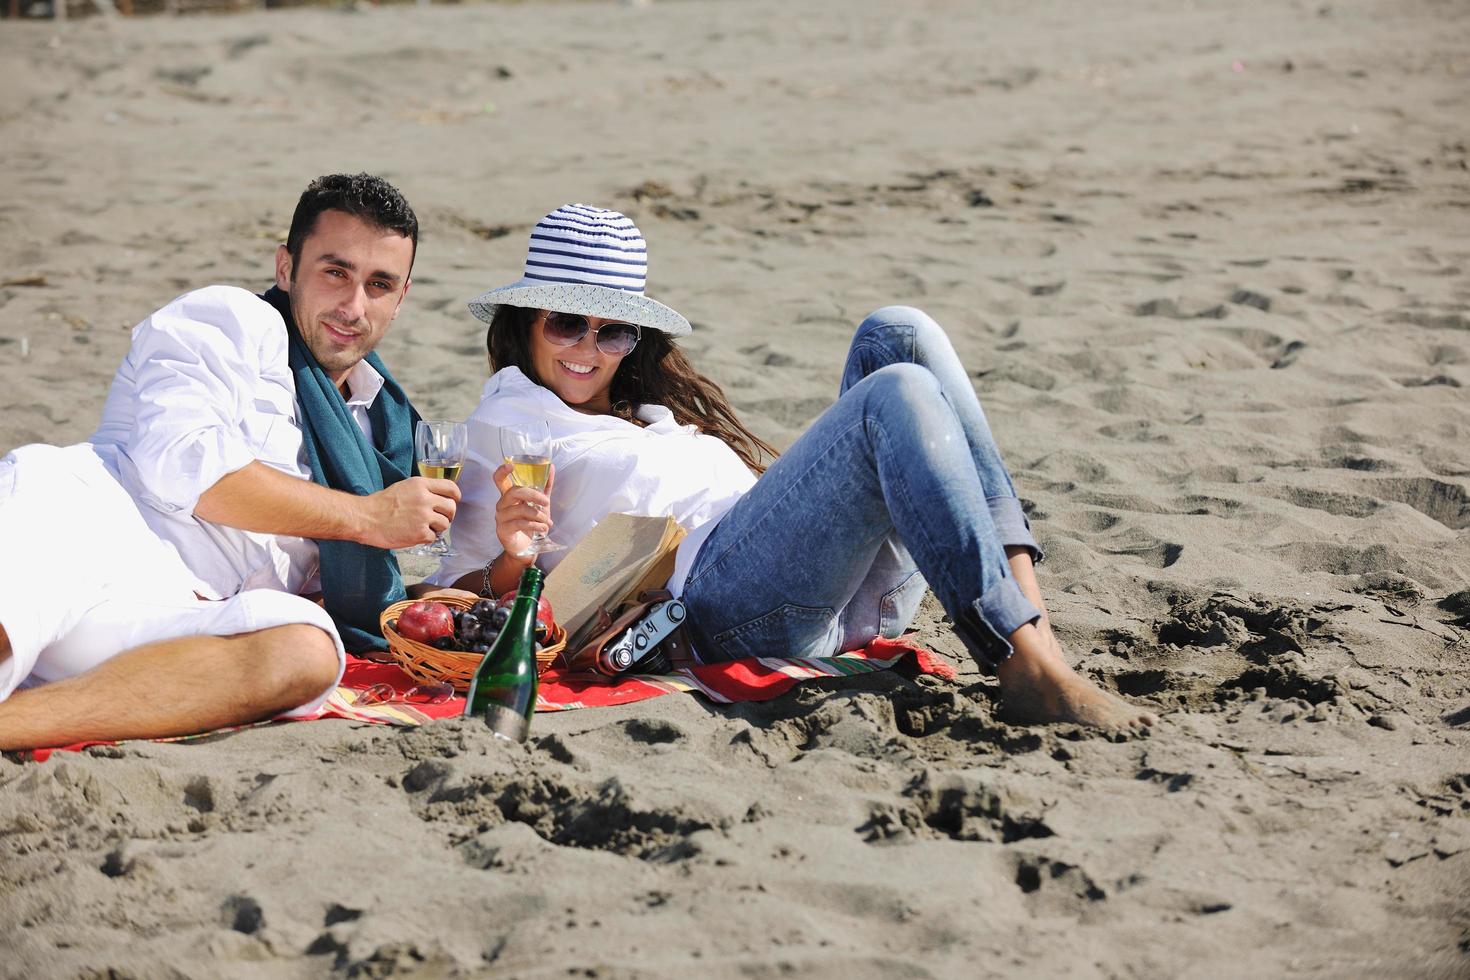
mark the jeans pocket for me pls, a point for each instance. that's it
(899, 606)
(786, 631)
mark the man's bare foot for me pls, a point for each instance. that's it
(1037, 686)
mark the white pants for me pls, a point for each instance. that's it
(82, 578)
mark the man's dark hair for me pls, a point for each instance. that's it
(372, 199)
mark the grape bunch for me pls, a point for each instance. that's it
(476, 628)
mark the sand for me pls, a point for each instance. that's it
(1208, 263)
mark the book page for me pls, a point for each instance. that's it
(608, 561)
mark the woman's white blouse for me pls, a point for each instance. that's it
(604, 465)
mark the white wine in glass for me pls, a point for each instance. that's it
(527, 448)
(439, 447)
(437, 471)
(530, 471)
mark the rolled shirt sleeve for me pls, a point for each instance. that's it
(205, 390)
(190, 377)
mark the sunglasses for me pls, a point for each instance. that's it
(568, 329)
(380, 693)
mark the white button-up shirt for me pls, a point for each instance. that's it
(204, 390)
(604, 465)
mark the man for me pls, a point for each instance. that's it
(251, 447)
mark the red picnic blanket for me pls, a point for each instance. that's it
(741, 680)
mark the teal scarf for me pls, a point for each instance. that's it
(358, 582)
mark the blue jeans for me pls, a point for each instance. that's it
(897, 485)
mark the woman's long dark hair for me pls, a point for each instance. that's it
(655, 373)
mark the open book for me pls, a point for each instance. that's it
(620, 557)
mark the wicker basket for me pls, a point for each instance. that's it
(428, 664)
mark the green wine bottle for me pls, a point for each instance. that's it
(503, 690)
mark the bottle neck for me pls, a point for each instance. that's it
(527, 601)
(532, 579)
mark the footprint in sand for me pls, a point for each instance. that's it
(1339, 504)
(1169, 309)
(1056, 883)
(1021, 374)
(1288, 355)
(243, 914)
(1136, 431)
(1434, 321)
(1199, 505)
(763, 355)
(199, 794)
(1072, 468)
(1127, 502)
(1361, 463)
(1443, 354)
(559, 808)
(1339, 559)
(1447, 503)
(1429, 382)
(1246, 297)
(1148, 549)
(1096, 521)
(963, 807)
(653, 731)
(1398, 590)
(791, 413)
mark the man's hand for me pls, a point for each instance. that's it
(260, 498)
(410, 512)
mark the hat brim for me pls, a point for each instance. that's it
(603, 302)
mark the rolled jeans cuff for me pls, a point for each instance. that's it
(1011, 527)
(985, 624)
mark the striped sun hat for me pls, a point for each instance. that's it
(590, 261)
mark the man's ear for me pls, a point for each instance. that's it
(401, 298)
(283, 267)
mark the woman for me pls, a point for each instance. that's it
(897, 485)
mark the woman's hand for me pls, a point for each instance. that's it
(521, 511)
(423, 590)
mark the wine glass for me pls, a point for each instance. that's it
(439, 448)
(527, 448)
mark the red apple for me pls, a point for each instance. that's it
(426, 621)
(543, 609)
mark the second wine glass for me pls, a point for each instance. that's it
(527, 448)
(439, 447)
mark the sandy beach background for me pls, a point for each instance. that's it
(1208, 263)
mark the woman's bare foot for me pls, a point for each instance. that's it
(1037, 686)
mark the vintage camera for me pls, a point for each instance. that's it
(638, 645)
